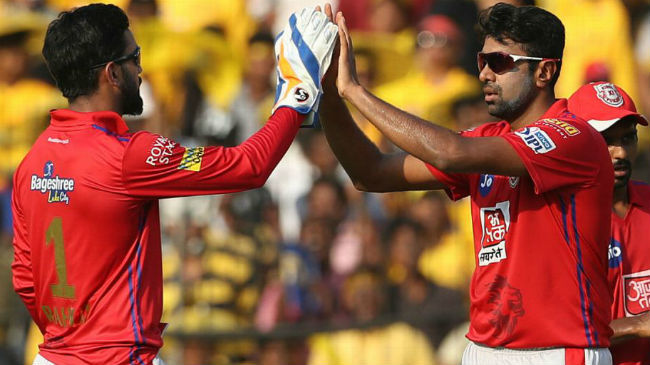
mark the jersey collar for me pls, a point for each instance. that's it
(635, 191)
(67, 118)
(559, 107)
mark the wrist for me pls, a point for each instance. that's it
(352, 91)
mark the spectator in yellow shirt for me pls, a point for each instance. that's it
(436, 82)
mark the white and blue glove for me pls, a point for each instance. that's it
(304, 52)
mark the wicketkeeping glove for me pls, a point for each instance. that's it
(304, 52)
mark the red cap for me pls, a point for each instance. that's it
(440, 24)
(602, 104)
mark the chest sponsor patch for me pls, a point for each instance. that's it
(56, 188)
(192, 159)
(160, 151)
(485, 184)
(565, 129)
(536, 139)
(614, 253)
(495, 222)
(637, 292)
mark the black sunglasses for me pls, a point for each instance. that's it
(501, 62)
(135, 55)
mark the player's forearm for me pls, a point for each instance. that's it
(630, 327)
(266, 148)
(357, 154)
(24, 289)
(429, 142)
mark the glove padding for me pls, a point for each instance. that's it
(304, 52)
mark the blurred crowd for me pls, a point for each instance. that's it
(306, 270)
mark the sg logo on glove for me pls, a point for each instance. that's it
(301, 95)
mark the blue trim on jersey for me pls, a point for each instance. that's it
(119, 138)
(582, 270)
(136, 317)
(578, 273)
(564, 222)
(306, 55)
(139, 265)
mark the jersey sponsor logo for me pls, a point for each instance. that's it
(57, 140)
(614, 253)
(637, 292)
(506, 304)
(536, 139)
(160, 151)
(192, 159)
(608, 94)
(495, 222)
(485, 184)
(564, 128)
(56, 187)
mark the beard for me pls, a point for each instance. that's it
(131, 100)
(621, 181)
(510, 110)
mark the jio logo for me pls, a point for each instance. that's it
(614, 254)
(485, 184)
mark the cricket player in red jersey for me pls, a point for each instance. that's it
(87, 258)
(609, 109)
(540, 183)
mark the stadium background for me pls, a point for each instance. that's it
(306, 270)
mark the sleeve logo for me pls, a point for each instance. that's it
(495, 222)
(536, 139)
(192, 159)
(160, 151)
(57, 188)
(637, 293)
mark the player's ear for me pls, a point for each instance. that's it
(545, 71)
(111, 73)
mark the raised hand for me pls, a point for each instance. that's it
(347, 72)
(304, 52)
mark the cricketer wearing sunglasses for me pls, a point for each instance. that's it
(611, 111)
(87, 254)
(540, 183)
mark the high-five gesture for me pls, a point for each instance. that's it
(304, 52)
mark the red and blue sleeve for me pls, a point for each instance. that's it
(156, 166)
(558, 153)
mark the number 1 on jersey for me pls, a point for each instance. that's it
(55, 233)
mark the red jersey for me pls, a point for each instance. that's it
(629, 271)
(87, 259)
(540, 240)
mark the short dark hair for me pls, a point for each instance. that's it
(78, 39)
(540, 33)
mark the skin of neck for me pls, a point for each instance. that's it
(103, 99)
(538, 107)
(621, 202)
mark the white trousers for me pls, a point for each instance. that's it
(481, 355)
(40, 360)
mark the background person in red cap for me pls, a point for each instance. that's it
(611, 111)
(438, 46)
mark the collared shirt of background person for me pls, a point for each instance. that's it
(87, 261)
(611, 111)
(538, 181)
